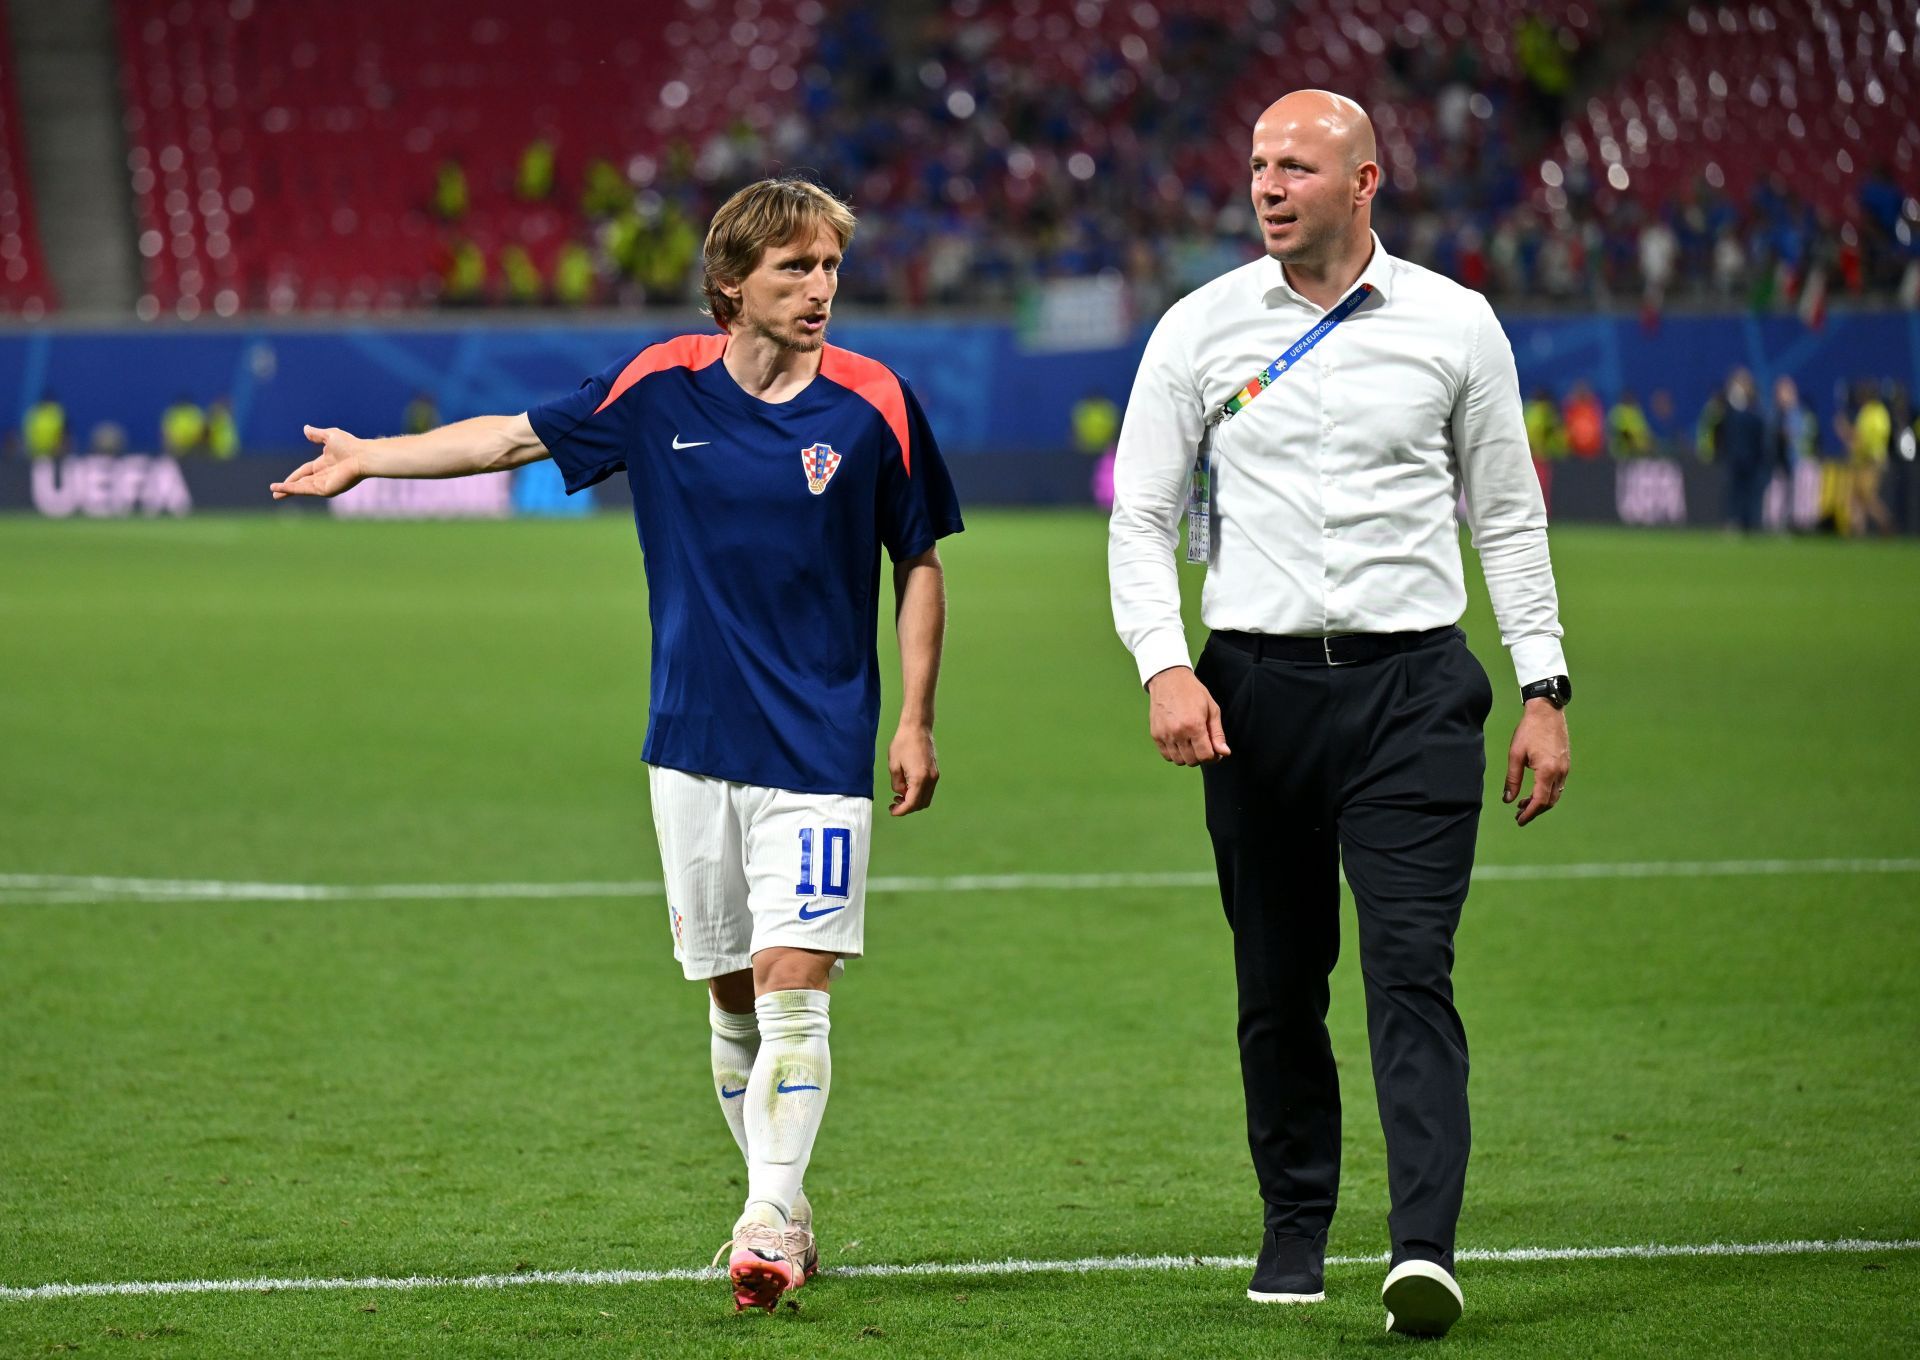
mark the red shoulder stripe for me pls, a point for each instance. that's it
(874, 383)
(683, 351)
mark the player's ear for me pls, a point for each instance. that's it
(1366, 182)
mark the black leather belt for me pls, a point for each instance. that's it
(1342, 649)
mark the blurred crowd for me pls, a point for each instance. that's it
(976, 178)
(187, 429)
(1769, 252)
(1828, 477)
(1781, 465)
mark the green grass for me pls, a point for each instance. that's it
(231, 1090)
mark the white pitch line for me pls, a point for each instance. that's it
(1077, 1266)
(86, 890)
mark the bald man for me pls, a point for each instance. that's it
(1335, 712)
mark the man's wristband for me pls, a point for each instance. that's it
(1555, 689)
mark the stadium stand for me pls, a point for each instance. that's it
(1798, 117)
(1780, 88)
(25, 288)
(285, 157)
(1417, 67)
(1073, 139)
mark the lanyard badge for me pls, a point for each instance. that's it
(1200, 503)
(1200, 499)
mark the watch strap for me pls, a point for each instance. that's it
(1556, 690)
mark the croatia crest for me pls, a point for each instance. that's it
(820, 462)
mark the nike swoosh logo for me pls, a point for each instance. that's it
(787, 1090)
(725, 1094)
(696, 444)
(806, 915)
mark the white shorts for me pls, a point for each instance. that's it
(749, 868)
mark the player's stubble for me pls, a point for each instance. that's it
(793, 343)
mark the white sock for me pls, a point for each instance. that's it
(736, 1039)
(786, 1096)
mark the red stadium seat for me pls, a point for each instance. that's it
(255, 124)
(25, 288)
(1818, 94)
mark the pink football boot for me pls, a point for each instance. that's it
(759, 1268)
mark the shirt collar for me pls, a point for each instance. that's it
(1379, 273)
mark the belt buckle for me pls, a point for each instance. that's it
(1326, 649)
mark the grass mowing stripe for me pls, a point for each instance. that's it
(1078, 1266)
(82, 890)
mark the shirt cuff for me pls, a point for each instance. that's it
(1160, 651)
(1537, 658)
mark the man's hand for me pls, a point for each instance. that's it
(1539, 744)
(914, 767)
(1184, 719)
(337, 468)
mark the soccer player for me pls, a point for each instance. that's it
(768, 468)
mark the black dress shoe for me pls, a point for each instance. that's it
(1290, 1270)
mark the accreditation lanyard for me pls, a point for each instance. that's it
(1200, 484)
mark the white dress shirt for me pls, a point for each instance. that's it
(1335, 488)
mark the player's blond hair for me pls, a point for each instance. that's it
(765, 214)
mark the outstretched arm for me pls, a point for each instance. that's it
(920, 618)
(481, 444)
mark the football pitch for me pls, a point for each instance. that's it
(329, 960)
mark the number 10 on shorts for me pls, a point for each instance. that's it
(836, 856)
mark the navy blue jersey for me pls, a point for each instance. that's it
(761, 526)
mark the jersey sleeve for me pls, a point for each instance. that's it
(917, 502)
(588, 443)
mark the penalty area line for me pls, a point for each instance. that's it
(95, 890)
(1084, 1265)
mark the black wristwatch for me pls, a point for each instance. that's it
(1555, 689)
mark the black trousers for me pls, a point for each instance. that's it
(1378, 765)
(1746, 495)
